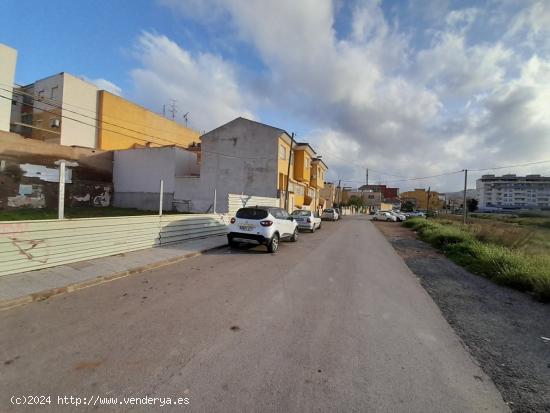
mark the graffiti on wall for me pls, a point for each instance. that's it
(29, 196)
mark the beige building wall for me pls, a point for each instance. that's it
(79, 129)
(8, 59)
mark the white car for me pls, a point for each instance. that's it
(262, 225)
(330, 214)
(307, 219)
(384, 216)
(400, 217)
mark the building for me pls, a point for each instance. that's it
(61, 109)
(8, 59)
(513, 192)
(137, 174)
(387, 193)
(419, 198)
(327, 195)
(125, 125)
(254, 159)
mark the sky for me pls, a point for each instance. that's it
(405, 88)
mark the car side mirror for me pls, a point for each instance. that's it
(291, 218)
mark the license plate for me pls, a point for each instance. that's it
(245, 227)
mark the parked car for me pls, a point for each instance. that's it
(384, 216)
(262, 225)
(330, 214)
(307, 219)
(417, 214)
(339, 212)
(400, 217)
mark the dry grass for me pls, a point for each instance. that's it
(512, 256)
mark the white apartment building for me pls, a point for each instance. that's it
(8, 58)
(514, 192)
(61, 109)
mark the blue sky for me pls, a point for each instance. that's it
(409, 87)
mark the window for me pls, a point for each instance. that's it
(55, 92)
(41, 94)
(282, 152)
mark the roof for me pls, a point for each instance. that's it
(279, 131)
(319, 160)
(305, 145)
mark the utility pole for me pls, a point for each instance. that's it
(288, 169)
(465, 212)
(367, 177)
(428, 203)
(339, 197)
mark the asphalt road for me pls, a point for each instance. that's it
(335, 322)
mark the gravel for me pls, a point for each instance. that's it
(505, 330)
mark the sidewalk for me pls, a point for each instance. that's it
(26, 287)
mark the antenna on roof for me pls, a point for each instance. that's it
(185, 117)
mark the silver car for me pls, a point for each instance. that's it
(307, 219)
(329, 214)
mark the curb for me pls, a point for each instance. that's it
(101, 279)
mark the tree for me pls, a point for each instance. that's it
(407, 206)
(355, 201)
(472, 204)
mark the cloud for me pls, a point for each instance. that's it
(413, 100)
(203, 84)
(104, 84)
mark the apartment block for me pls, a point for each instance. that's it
(514, 192)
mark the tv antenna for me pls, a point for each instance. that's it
(186, 118)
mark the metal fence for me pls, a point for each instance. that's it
(239, 201)
(32, 245)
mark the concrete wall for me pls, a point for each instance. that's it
(125, 125)
(137, 174)
(79, 96)
(239, 157)
(8, 58)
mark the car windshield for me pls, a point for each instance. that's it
(301, 213)
(251, 213)
(328, 210)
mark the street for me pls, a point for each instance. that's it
(335, 322)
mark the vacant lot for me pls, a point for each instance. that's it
(507, 253)
(505, 330)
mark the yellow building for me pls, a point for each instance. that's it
(306, 174)
(419, 197)
(125, 125)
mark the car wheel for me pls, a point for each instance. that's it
(294, 236)
(273, 245)
(232, 243)
(319, 225)
(313, 228)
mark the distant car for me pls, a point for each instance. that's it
(262, 225)
(400, 217)
(417, 214)
(384, 216)
(307, 219)
(330, 214)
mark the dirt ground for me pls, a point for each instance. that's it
(506, 331)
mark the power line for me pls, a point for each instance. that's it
(509, 166)
(131, 136)
(59, 106)
(56, 104)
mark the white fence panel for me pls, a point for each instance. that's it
(32, 245)
(239, 201)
